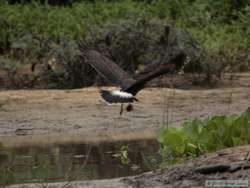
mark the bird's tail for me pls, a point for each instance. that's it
(106, 95)
(116, 96)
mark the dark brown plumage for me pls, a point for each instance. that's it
(129, 86)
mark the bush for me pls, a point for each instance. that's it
(221, 27)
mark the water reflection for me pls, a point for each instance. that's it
(75, 162)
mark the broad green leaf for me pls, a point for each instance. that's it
(172, 140)
(197, 136)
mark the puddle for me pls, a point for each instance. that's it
(77, 161)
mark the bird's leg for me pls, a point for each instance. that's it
(121, 111)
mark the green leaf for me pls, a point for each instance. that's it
(236, 141)
(173, 140)
(194, 128)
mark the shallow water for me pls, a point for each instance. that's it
(77, 161)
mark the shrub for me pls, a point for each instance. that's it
(222, 28)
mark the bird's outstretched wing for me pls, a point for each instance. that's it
(173, 65)
(106, 68)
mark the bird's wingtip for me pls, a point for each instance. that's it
(84, 47)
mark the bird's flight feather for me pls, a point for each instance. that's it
(108, 69)
(112, 72)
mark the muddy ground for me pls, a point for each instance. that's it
(31, 117)
(228, 164)
(41, 117)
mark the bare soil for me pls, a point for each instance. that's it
(36, 117)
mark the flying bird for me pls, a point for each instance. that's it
(129, 86)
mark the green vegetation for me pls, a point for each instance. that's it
(194, 138)
(217, 24)
(197, 137)
(7, 176)
(124, 155)
(34, 32)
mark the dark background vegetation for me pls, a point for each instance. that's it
(214, 34)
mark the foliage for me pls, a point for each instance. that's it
(197, 137)
(62, 67)
(222, 27)
(134, 42)
(7, 176)
(124, 155)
